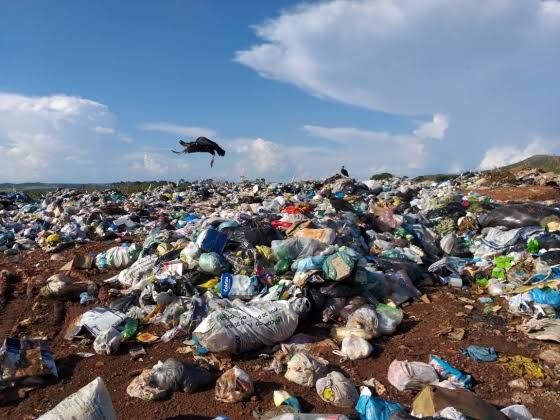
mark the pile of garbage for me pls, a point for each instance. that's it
(242, 269)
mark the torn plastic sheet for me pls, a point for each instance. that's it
(95, 322)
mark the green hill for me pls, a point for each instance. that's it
(547, 163)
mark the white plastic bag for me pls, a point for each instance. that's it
(337, 389)
(108, 341)
(412, 376)
(304, 369)
(362, 323)
(92, 402)
(355, 348)
(244, 327)
(137, 272)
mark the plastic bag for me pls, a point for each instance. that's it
(304, 369)
(308, 263)
(546, 296)
(445, 370)
(167, 377)
(389, 318)
(118, 257)
(412, 376)
(234, 386)
(337, 389)
(244, 327)
(211, 263)
(517, 412)
(402, 287)
(327, 236)
(363, 323)
(211, 240)
(480, 354)
(373, 408)
(295, 248)
(108, 341)
(339, 266)
(355, 348)
(238, 286)
(190, 254)
(137, 272)
(92, 402)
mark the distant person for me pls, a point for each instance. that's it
(344, 172)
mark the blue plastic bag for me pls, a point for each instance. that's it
(446, 370)
(373, 408)
(480, 354)
(546, 296)
(309, 263)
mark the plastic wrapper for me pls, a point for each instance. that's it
(234, 386)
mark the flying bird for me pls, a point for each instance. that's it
(202, 144)
(344, 172)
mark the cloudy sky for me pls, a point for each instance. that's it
(101, 91)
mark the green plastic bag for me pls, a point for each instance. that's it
(533, 246)
(339, 266)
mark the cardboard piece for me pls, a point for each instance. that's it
(433, 399)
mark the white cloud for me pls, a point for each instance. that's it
(104, 130)
(493, 66)
(155, 164)
(54, 138)
(434, 129)
(498, 156)
(264, 156)
(344, 134)
(180, 130)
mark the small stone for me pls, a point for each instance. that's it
(518, 384)
(537, 384)
(99, 364)
(522, 398)
(550, 356)
(424, 298)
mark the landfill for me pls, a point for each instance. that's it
(380, 299)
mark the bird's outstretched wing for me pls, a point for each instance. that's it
(203, 141)
(177, 152)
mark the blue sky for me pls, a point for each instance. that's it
(101, 91)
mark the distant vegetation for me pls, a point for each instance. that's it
(381, 176)
(435, 177)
